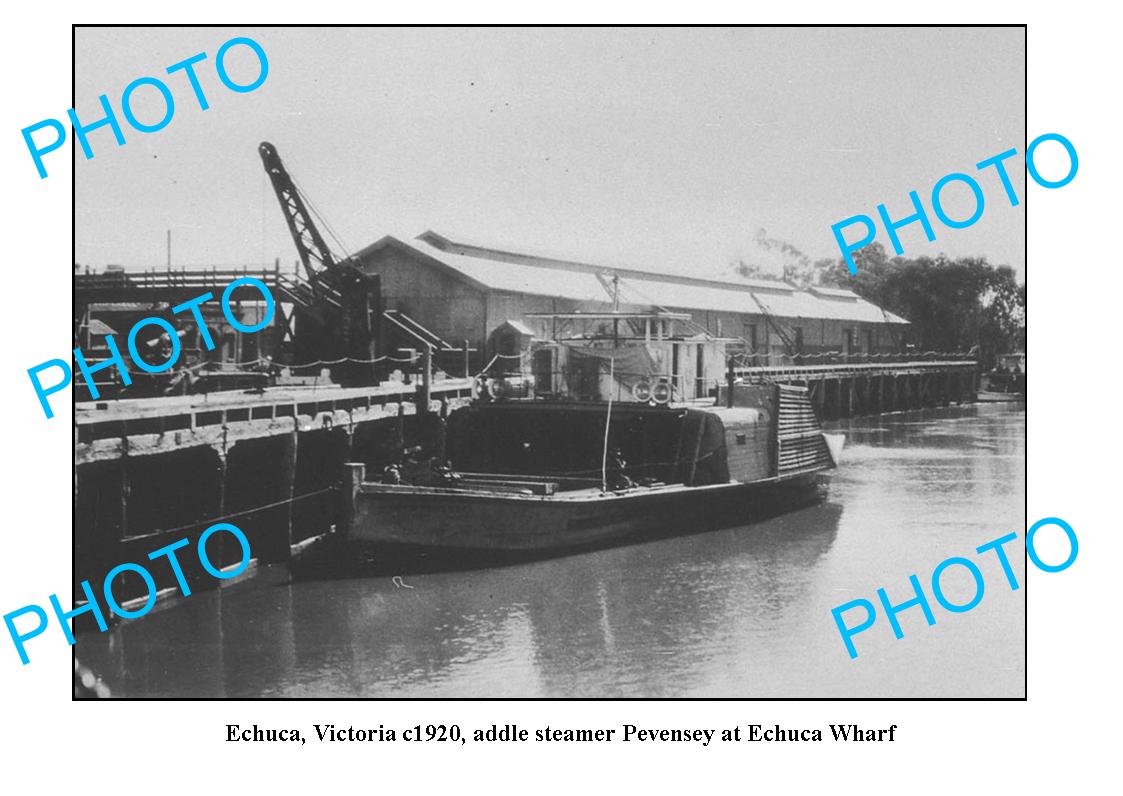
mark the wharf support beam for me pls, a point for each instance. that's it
(839, 391)
(154, 470)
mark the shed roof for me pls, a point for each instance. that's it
(99, 327)
(517, 326)
(543, 276)
(834, 292)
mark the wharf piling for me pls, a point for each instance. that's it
(151, 471)
(850, 390)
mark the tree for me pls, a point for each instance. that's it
(953, 305)
(779, 259)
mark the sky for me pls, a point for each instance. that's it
(661, 148)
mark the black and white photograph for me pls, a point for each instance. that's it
(558, 363)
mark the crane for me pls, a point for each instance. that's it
(337, 305)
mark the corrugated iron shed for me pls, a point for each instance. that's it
(542, 276)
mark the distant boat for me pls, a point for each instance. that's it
(1007, 382)
(992, 397)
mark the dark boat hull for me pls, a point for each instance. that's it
(419, 529)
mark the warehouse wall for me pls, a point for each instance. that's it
(457, 310)
(446, 305)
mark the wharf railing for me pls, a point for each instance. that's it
(780, 373)
(127, 417)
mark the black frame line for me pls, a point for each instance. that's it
(74, 411)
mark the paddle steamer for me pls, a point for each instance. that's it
(598, 440)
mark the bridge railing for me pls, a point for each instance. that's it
(286, 287)
(173, 279)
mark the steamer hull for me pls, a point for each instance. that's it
(525, 488)
(413, 523)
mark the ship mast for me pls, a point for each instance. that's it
(607, 425)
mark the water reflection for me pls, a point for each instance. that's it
(735, 612)
(566, 626)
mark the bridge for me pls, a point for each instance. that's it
(178, 285)
(175, 286)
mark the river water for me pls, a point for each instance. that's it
(740, 612)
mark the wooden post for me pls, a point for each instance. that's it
(281, 550)
(354, 473)
(124, 487)
(729, 382)
(425, 389)
(216, 547)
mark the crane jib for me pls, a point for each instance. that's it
(343, 297)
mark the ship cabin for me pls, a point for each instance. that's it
(628, 400)
(642, 357)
